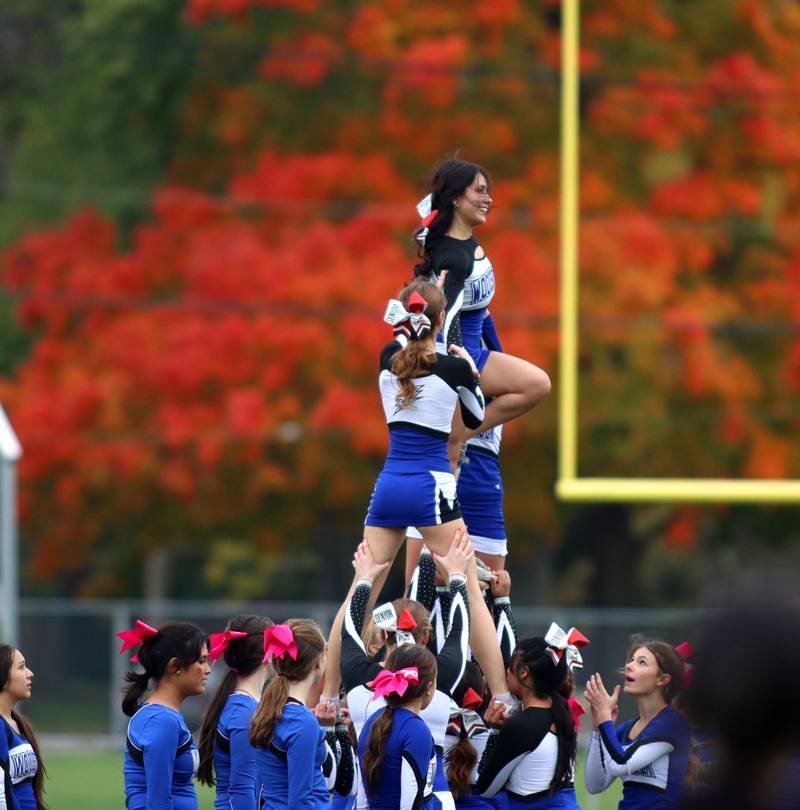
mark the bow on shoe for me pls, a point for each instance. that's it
(387, 682)
(411, 322)
(220, 642)
(279, 640)
(386, 619)
(138, 634)
(558, 642)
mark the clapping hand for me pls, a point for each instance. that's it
(602, 705)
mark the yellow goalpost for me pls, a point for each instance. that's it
(570, 486)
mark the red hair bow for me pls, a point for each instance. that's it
(388, 682)
(278, 640)
(406, 621)
(472, 700)
(219, 642)
(577, 710)
(686, 651)
(138, 634)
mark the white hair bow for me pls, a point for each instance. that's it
(412, 322)
(558, 642)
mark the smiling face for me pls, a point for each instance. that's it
(18, 685)
(643, 676)
(191, 680)
(474, 204)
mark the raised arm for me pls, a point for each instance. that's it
(453, 657)
(355, 664)
(500, 588)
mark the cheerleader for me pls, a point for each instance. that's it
(649, 753)
(460, 201)
(532, 756)
(395, 748)
(466, 741)
(21, 768)
(293, 759)
(160, 756)
(406, 622)
(226, 756)
(420, 389)
(479, 489)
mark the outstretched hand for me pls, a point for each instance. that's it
(500, 583)
(458, 556)
(602, 705)
(365, 565)
(325, 712)
(461, 352)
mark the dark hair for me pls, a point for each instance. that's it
(310, 646)
(450, 180)
(243, 656)
(409, 655)
(420, 615)
(669, 661)
(463, 757)
(6, 662)
(415, 358)
(545, 679)
(182, 641)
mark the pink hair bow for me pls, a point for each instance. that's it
(412, 322)
(279, 640)
(138, 634)
(686, 651)
(558, 641)
(388, 682)
(220, 641)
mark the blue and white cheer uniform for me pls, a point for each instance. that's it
(652, 767)
(409, 762)
(18, 768)
(416, 486)
(234, 757)
(160, 761)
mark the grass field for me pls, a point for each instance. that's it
(94, 782)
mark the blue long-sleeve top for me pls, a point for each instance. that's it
(409, 763)
(234, 757)
(652, 766)
(160, 761)
(291, 767)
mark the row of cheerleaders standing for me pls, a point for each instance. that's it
(428, 700)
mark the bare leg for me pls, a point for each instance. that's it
(482, 634)
(496, 562)
(515, 386)
(384, 544)
(413, 550)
